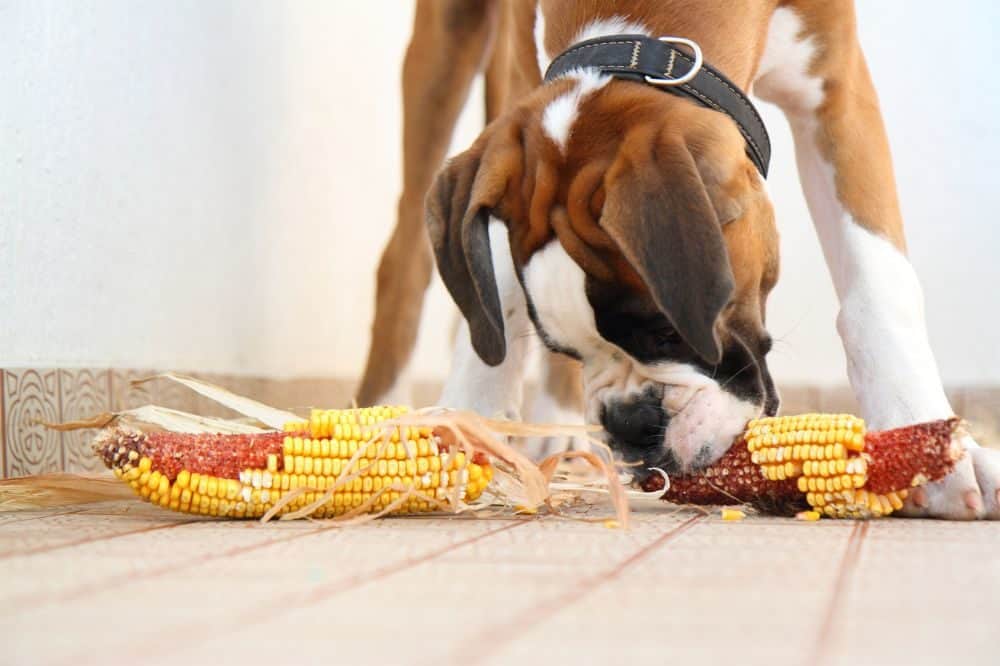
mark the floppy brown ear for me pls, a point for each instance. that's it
(457, 208)
(658, 212)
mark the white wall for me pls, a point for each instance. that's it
(208, 185)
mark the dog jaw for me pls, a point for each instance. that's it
(703, 418)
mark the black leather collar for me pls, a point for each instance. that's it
(642, 58)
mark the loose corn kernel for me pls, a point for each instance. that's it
(732, 514)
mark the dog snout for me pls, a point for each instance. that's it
(635, 426)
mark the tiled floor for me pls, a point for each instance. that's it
(123, 582)
(128, 583)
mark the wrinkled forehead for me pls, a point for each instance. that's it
(586, 137)
(573, 131)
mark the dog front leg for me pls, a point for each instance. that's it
(818, 75)
(450, 41)
(494, 392)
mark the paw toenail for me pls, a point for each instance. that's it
(973, 500)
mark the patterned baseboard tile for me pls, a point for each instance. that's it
(3, 432)
(31, 395)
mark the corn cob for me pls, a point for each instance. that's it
(826, 462)
(362, 465)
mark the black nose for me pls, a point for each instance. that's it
(636, 424)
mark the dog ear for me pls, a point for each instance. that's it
(457, 213)
(659, 213)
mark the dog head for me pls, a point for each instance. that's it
(646, 247)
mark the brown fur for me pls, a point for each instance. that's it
(661, 175)
(514, 170)
(852, 134)
(449, 45)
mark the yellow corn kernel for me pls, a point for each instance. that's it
(856, 442)
(732, 514)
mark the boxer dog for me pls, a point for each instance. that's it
(629, 230)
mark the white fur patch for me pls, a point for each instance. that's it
(556, 284)
(881, 321)
(545, 408)
(783, 74)
(544, 60)
(613, 25)
(559, 115)
(709, 420)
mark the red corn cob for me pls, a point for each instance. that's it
(223, 456)
(911, 456)
(339, 462)
(892, 462)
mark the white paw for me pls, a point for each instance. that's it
(968, 493)
(545, 410)
(986, 463)
(538, 448)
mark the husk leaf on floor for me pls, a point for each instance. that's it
(46, 491)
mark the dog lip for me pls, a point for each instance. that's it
(668, 462)
(632, 458)
(704, 458)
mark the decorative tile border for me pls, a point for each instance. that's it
(3, 431)
(83, 393)
(28, 395)
(31, 396)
